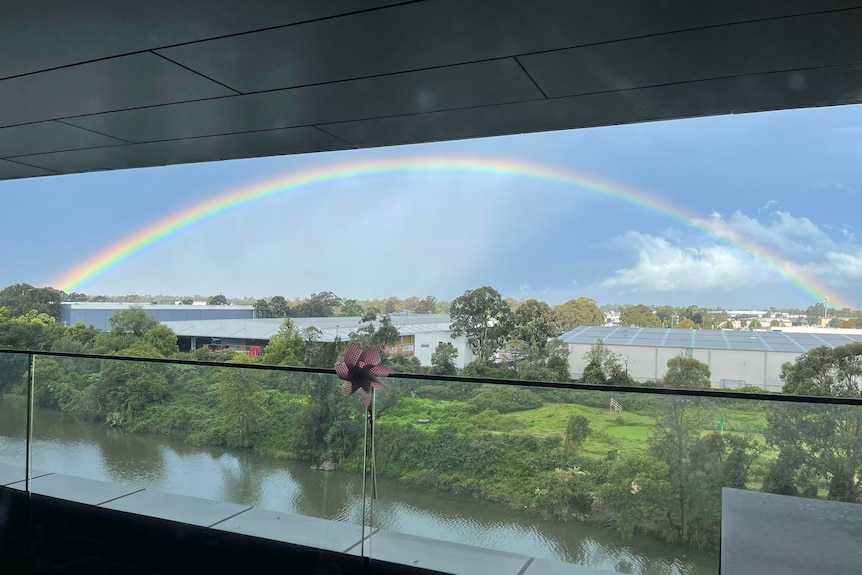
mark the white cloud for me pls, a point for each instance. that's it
(786, 233)
(664, 265)
(838, 269)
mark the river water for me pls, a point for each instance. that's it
(68, 445)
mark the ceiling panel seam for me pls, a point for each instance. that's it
(530, 76)
(685, 30)
(348, 142)
(219, 37)
(30, 165)
(712, 79)
(91, 131)
(321, 125)
(193, 71)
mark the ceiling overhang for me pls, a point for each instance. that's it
(108, 85)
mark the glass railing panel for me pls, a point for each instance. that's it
(14, 377)
(626, 482)
(273, 448)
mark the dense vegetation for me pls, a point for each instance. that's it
(657, 467)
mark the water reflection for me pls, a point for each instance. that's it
(86, 449)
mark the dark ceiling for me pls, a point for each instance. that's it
(103, 84)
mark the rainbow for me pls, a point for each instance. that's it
(145, 237)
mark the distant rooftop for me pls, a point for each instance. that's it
(331, 327)
(709, 339)
(127, 305)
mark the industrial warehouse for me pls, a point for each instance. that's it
(736, 359)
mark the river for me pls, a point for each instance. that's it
(65, 444)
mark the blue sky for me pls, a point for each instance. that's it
(787, 181)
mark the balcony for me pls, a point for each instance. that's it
(161, 466)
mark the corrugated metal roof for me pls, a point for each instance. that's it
(331, 327)
(709, 339)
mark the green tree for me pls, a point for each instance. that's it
(536, 324)
(605, 367)
(686, 324)
(685, 372)
(638, 494)
(577, 431)
(639, 316)
(321, 304)
(483, 316)
(578, 312)
(241, 403)
(217, 300)
(666, 315)
(676, 431)
(261, 309)
(287, 347)
(278, 307)
(351, 308)
(427, 305)
(163, 339)
(22, 298)
(775, 323)
(443, 359)
(133, 321)
(823, 441)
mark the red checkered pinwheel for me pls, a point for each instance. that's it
(360, 370)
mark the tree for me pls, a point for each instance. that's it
(287, 347)
(755, 324)
(685, 372)
(163, 339)
(483, 316)
(22, 298)
(132, 321)
(443, 359)
(187, 301)
(369, 334)
(577, 431)
(578, 312)
(321, 304)
(241, 402)
(775, 323)
(822, 441)
(639, 316)
(605, 367)
(261, 309)
(666, 315)
(638, 494)
(217, 300)
(535, 324)
(427, 305)
(676, 432)
(350, 308)
(686, 324)
(278, 307)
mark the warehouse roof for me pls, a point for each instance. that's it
(709, 339)
(331, 327)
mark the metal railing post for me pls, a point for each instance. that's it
(28, 432)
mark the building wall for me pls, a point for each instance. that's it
(758, 368)
(99, 316)
(426, 343)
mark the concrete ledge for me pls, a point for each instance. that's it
(10, 474)
(295, 529)
(441, 556)
(78, 489)
(179, 508)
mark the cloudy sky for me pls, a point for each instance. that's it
(758, 210)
